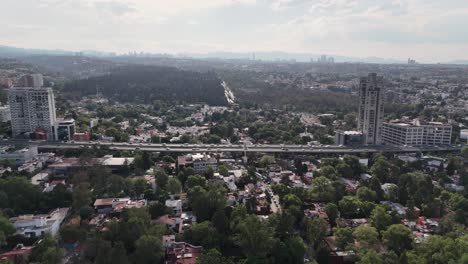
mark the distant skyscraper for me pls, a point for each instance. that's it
(32, 111)
(323, 58)
(371, 108)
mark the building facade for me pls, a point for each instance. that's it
(348, 138)
(40, 225)
(18, 154)
(65, 129)
(5, 115)
(371, 109)
(31, 80)
(32, 111)
(416, 134)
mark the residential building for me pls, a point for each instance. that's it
(8, 82)
(81, 136)
(416, 133)
(19, 254)
(199, 162)
(18, 154)
(464, 135)
(175, 205)
(65, 129)
(116, 205)
(5, 114)
(182, 253)
(371, 108)
(40, 225)
(348, 138)
(31, 80)
(32, 111)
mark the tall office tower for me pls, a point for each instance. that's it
(32, 111)
(31, 80)
(371, 109)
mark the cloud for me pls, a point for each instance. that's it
(384, 28)
(116, 8)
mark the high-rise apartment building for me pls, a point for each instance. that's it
(32, 112)
(371, 109)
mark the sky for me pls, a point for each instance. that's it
(426, 30)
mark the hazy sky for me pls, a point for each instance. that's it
(427, 30)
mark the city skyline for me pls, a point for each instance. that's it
(427, 31)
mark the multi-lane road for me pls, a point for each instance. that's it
(270, 148)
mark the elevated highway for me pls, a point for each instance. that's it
(270, 148)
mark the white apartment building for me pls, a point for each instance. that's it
(371, 108)
(32, 111)
(416, 134)
(40, 225)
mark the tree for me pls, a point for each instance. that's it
(267, 160)
(149, 249)
(464, 152)
(344, 170)
(315, 230)
(253, 236)
(283, 223)
(118, 254)
(213, 257)
(328, 172)
(350, 206)
(81, 195)
(205, 202)
(213, 139)
(455, 164)
(6, 229)
(383, 170)
(161, 179)
(380, 219)
(158, 209)
(140, 185)
(143, 161)
(47, 251)
(22, 196)
(441, 249)
(353, 163)
(209, 172)
(223, 170)
(72, 234)
(343, 237)
(220, 221)
(173, 186)
(323, 189)
(292, 199)
(366, 194)
(371, 257)
(332, 212)
(292, 250)
(195, 180)
(204, 234)
(398, 238)
(86, 212)
(367, 236)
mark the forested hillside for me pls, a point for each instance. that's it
(144, 84)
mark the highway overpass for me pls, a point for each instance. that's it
(270, 148)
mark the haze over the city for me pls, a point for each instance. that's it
(427, 30)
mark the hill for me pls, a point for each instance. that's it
(144, 84)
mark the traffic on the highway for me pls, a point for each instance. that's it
(266, 148)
